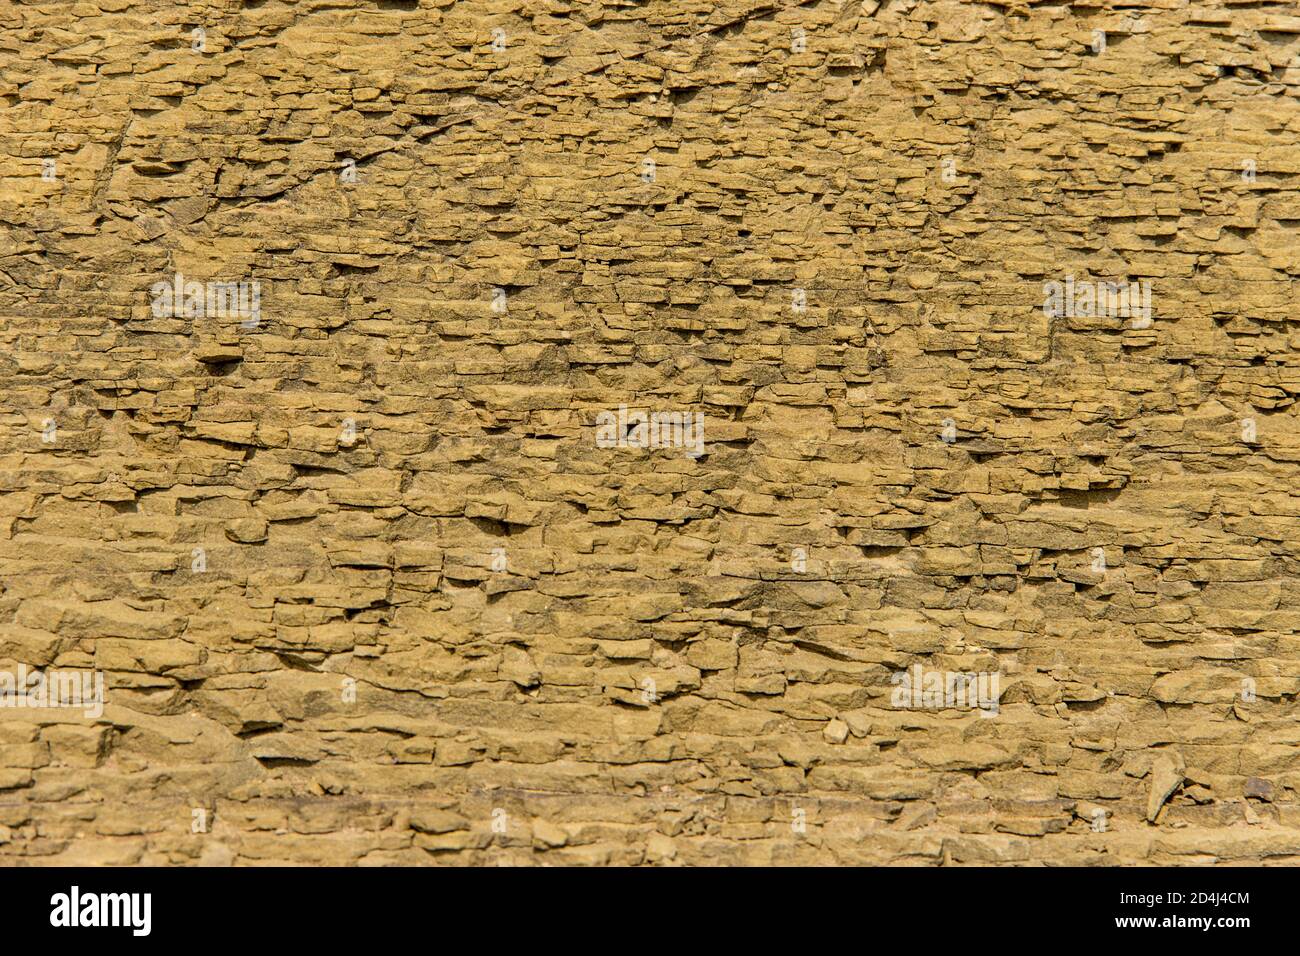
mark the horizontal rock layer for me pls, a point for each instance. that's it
(378, 566)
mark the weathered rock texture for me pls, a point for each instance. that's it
(313, 639)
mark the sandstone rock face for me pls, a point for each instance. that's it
(964, 530)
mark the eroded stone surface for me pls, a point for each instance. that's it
(366, 588)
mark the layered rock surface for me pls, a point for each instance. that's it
(366, 587)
